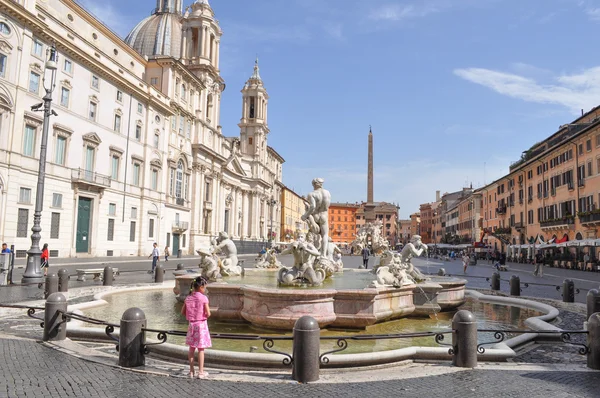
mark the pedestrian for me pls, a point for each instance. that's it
(9, 264)
(365, 256)
(155, 255)
(539, 266)
(196, 311)
(45, 257)
(465, 260)
(167, 254)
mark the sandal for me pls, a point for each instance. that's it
(191, 375)
(202, 375)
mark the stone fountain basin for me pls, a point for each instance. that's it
(277, 308)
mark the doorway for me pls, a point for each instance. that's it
(84, 212)
(175, 244)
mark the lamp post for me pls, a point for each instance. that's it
(271, 202)
(32, 272)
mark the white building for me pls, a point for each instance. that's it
(136, 154)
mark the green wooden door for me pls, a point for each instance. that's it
(175, 244)
(82, 243)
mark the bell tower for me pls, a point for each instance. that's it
(168, 6)
(253, 124)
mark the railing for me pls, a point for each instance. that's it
(594, 217)
(180, 201)
(181, 225)
(558, 222)
(519, 225)
(501, 210)
(90, 177)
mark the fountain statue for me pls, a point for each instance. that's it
(369, 235)
(210, 265)
(317, 214)
(334, 254)
(397, 269)
(268, 260)
(304, 271)
(229, 264)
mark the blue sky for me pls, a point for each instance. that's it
(455, 89)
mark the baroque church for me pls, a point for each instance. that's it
(136, 153)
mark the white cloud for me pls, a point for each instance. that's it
(108, 15)
(575, 92)
(396, 12)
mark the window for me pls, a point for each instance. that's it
(4, 29)
(95, 82)
(183, 240)
(134, 212)
(119, 96)
(189, 129)
(90, 154)
(64, 97)
(114, 167)
(207, 191)
(140, 108)
(22, 220)
(154, 180)
(151, 228)
(589, 168)
(38, 48)
(93, 111)
(156, 140)
(111, 229)
(580, 149)
(112, 209)
(57, 200)
(54, 225)
(183, 92)
(34, 82)
(136, 175)
(132, 231)
(28, 140)
(598, 165)
(588, 145)
(117, 126)
(179, 180)
(2, 65)
(138, 132)
(154, 81)
(68, 66)
(173, 122)
(181, 124)
(250, 140)
(25, 195)
(61, 150)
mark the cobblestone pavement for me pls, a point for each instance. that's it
(30, 369)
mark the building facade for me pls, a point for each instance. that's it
(136, 153)
(387, 214)
(293, 206)
(342, 222)
(404, 231)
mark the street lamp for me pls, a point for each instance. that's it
(271, 202)
(33, 272)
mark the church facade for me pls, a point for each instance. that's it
(136, 153)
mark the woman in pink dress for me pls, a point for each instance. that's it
(196, 311)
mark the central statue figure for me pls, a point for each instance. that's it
(316, 214)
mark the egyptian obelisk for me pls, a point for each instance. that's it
(370, 205)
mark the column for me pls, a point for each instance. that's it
(194, 212)
(200, 199)
(205, 42)
(218, 49)
(200, 47)
(244, 107)
(244, 213)
(189, 44)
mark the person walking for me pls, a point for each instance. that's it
(9, 264)
(167, 254)
(155, 255)
(45, 257)
(465, 259)
(196, 311)
(539, 266)
(365, 256)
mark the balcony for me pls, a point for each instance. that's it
(589, 219)
(80, 176)
(180, 226)
(502, 231)
(558, 223)
(207, 205)
(519, 225)
(501, 210)
(180, 201)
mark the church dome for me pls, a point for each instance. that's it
(160, 33)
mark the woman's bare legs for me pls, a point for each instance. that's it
(191, 360)
(201, 363)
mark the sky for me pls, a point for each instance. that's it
(454, 90)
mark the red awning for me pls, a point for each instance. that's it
(565, 238)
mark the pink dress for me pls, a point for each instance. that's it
(198, 335)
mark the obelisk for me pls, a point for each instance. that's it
(370, 205)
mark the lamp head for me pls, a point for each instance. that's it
(52, 58)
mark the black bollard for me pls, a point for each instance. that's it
(464, 340)
(132, 338)
(515, 285)
(180, 267)
(159, 274)
(593, 302)
(107, 277)
(307, 336)
(441, 272)
(55, 328)
(63, 280)
(51, 285)
(568, 291)
(593, 340)
(179, 252)
(496, 281)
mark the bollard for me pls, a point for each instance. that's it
(593, 341)
(179, 252)
(180, 267)
(107, 278)
(441, 272)
(307, 336)
(496, 281)
(132, 339)
(159, 274)
(593, 302)
(55, 328)
(51, 285)
(63, 280)
(515, 285)
(568, 291)
(464, 340)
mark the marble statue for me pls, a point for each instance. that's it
(227, 249)
(210, 265)
(334, 254)
(303, 271)
(316, 214)
(268, 260)
(370, 235)
(396, 269)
